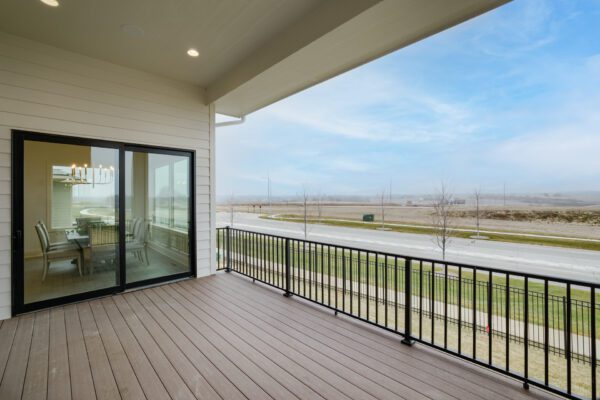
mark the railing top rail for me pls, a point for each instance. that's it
(479, 268)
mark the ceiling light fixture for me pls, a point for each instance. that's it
(193, 53)
(51, 3)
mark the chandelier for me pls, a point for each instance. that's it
(84, 175)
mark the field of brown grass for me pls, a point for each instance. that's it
(583, 222)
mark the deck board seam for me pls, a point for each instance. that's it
(304, 323)
(177, 345)
(224, 328)
(87, 353)
(12, 341)
(110, 361)
(350, 370)
(356, 371)
(126, 325)
(310, 358)
(329, 325)
(219, 350)
(144, 350)
(174, 344)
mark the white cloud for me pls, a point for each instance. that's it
(562, 152)
(372, 105)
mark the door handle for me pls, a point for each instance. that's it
(17, 240)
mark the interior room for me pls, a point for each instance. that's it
(71, 218)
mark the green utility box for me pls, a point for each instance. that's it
(368, 217)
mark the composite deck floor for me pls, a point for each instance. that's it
(223, 337)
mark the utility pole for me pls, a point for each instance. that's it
(504, 195)
(477, 209)
(269, 193)
(231, 210)
(383, 209)
(390, 191)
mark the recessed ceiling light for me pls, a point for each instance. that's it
(193, 53)
(51, 3)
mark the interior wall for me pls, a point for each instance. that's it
(48, 90)
(38, 161)
(139, 198)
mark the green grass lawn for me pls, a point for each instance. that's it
(353, 266)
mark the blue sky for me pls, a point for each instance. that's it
(512, 96)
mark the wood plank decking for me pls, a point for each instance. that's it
(223, 337)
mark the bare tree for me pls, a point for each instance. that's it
(231, 209)
(269, 194)
(382, 204)
(319, 201)
(442, 207)
(477, 195)
(305, 203)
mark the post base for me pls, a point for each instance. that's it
(525, 385)
(407, 341)
(228, 270)
(287, 294)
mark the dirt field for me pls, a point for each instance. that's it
(559, 221)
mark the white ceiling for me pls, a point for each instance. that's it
(252, 52)
(224, 31)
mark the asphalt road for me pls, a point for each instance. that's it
(582, 265)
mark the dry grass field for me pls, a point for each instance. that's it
(582, 222)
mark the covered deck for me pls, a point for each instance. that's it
(224, 337)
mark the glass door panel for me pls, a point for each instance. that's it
(70, 219)
(157, 213)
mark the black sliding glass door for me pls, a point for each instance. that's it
(95, 217)
(157, 211)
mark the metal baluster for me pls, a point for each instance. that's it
(322, 278)
(507, 321)
(460, 309)
(287, 268)
(568, 338)
(385, 293)
(368, 288)
(396, 293)
(329, 275)
(336, 279)
(377, 288)
(228, 252)
(445, 305)
(359, 284)
(432, 283)
(343, 280)
(420, 298)
(526, 334)
(474, 313)
(351, 285)
(593, 339)
(489, 315)
(408, 340)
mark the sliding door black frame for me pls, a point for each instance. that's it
(18, 209)
(191, 213)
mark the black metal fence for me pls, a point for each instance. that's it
(538, 329)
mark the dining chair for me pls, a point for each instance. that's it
(51, 255)
(54, 244)
(138, 245)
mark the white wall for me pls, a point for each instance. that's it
(45, 89)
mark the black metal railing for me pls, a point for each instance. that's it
(538, 329)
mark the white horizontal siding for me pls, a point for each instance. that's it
(49, 90)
